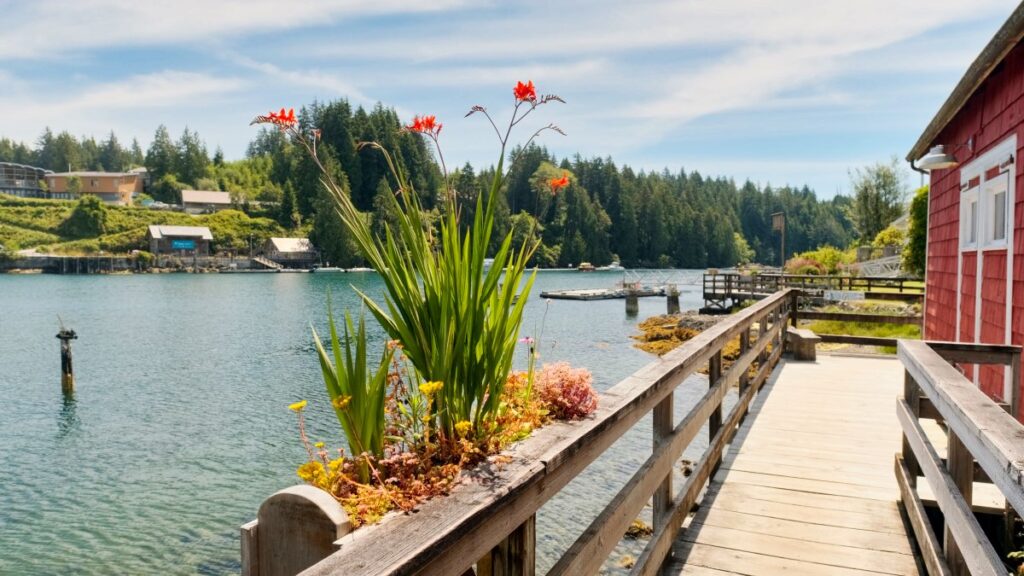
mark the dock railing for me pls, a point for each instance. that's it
(721, 290)
(984, 444)
(488, 522)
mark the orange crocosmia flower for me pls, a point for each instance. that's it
(557, 184)
(425, 124)
(524, 92)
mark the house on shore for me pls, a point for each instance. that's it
(204, 201)
(110, 187)
(291, 252)
(23, 181)
(975, 259)
(182, 240)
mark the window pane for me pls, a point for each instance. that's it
(999, 216)
(972, 223)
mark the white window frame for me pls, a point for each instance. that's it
(998, 184)
(1004, 156)
(967, 198)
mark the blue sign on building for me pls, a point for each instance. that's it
(183, 244)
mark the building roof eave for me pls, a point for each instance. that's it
(1004, 40)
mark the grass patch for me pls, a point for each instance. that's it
(873, 329)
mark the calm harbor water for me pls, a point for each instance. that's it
(179, 426)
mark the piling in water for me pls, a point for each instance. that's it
(632, 304)
(672, 299)
(67, 373)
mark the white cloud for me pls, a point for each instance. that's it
(53, 27)
(330, 84)
(97, 108)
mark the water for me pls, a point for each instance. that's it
(179, 426)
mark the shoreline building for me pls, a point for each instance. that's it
(182, 240)
(291, 252)
(204, 201)
(971, 149)
(23, 181)
(111, 187)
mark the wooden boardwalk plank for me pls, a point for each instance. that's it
(803, 550)
(807, 486)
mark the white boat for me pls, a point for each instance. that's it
(613, 267)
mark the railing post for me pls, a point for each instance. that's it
(516, 555)
(663, 427)
(912, 396)
(744, 346)
(1014, 398)
(794, 303)
(715, 421)
(762, 329)
(961, 467)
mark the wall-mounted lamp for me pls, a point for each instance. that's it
(937, 158)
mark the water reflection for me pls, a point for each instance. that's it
(67, 420)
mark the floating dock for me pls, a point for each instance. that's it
(601, 293)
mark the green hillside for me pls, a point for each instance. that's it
(29, 223)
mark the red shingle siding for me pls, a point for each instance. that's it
(968, 292)
(993, 113)
(993, 316)
(943, 244)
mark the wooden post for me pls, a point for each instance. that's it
(762, 329)
(67, 373)
(744, 346)
(1014, 398)
(794, 302)
(632, 304)
(715, 421)
(516, 555)
(961, 467)
(912, 395)
(663, 428)
(672, 299)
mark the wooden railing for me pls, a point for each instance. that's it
(489, 521)
(757, 285)
(984, 443)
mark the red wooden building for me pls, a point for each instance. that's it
(975, 262)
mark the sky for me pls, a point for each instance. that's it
(779, 92)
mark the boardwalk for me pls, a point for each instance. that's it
(807, 486)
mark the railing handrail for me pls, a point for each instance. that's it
(979, 430)
(990, 434)
(447, 535)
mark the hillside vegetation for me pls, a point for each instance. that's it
(40, 224)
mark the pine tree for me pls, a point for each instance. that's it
(288, 215)
(192, 158)
(162, 155)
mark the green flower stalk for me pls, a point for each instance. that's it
(457, 321)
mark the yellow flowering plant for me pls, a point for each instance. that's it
(357, 393)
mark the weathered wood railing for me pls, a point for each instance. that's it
(488, 522)
(736, 286)
(984, 443)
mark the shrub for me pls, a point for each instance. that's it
(829, 259)
(914, 254)
(87, 220)
(805, 266)
(889, 237)
(567, 391)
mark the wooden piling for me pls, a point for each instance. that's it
(67, 373)
(632, 304)
(672, 299)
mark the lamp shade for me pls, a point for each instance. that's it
(936, 159)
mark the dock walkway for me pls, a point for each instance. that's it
(807, 485)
